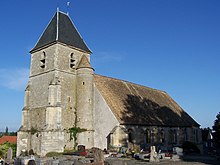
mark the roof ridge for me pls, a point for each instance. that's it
(78, 33)
(57, 34)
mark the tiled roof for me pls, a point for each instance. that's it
(61, 29)
(10, 139)
(136, 104)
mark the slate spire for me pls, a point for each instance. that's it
(61, 29)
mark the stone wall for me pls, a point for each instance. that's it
(37, 118)
(167, 136)
(104, 120)
(22, 142)
(52, 141)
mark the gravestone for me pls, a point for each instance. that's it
(153, 154)
(9, 156)
(77, 162)
(118, 162)
(9, 153)
(98, 155)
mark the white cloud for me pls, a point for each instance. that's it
(104, 57)
(15, 79)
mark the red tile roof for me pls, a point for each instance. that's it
(10, 139)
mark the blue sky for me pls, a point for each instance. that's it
(171, 45)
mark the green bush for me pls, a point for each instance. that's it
(52, 154)
(4, 149)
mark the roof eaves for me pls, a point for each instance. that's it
(43, 47)
(158, 125)
(73, 47)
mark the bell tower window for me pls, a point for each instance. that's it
(43, 60)
(72, 61)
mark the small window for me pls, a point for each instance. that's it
(72, 61)
(186, 134)
(147, 136)
(173, 136)
(130, 136)
(162, 136)
(43, 60)
(196, 136)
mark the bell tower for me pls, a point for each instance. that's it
(51, 102)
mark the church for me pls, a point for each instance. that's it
(67, 104)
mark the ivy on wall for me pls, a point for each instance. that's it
(73, 131)
(73, 134)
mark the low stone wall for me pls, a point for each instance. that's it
(64, 160)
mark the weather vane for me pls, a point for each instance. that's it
(57, 5)
(67, 6)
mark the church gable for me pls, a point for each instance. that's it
(138, 105)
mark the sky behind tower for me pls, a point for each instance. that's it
(171, 45)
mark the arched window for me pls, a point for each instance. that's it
(196, 135)
(186, 134)
(153, 135)
(173, 136)
(43, 60)
(147, 136)
(71, 55)
(162, 136)
(72, 61)
(130, 136)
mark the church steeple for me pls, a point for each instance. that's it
(61, 29)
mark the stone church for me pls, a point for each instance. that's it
(67, 104)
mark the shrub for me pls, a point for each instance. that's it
(52, 154)
(4, 149)
(189, 147)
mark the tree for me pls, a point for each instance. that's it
(216, 129)
(4, 148)
(206, 133)
(6, 131)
